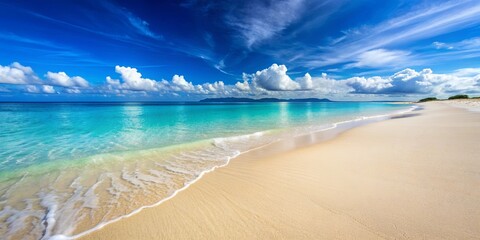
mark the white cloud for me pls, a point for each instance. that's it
(73, 90)
(409, 81)
(180, 84)
(422, 22)
(257, 21)
(380, 58)
(466, 44)
(17, 74)
(130, 20)
(63, 80)
(368, 85)
(471, 43)
(215, 87)
(48, 89)
(141, 26)
(467, 72)
(39, 89)
(327, 85)
(243, 86)
(305, 82)
(31, 89)
(441, 45)
(132, 80)
(274, 78)
(272, 82)
(405, 82)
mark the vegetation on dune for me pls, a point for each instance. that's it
(428, 99)
(460, 96)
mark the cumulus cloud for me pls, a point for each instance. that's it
(31, 89)
(272, 81)
(409, 81)
(132, 80)
(39, 89)
(73, 90)
(63, 80)
(306, 82)
(48, 89)
(274, 78)
(215, 87)
(243, 86)
(405, 82)
(368, 85)
(327, 85)
(180, 84)
(16, 73)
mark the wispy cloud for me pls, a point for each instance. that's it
(140, 25)
(422, 22)
(441, 45)
(380, 58)
(448, 51)
(57, 53)
(466, 44)
(133, 24)
(30, 41)
(257, 21)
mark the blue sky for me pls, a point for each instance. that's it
(192, 49)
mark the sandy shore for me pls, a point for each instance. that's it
(470, 104)
(405, 178)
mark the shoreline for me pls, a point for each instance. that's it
(77, 199)
(171, 211)
(317, 136)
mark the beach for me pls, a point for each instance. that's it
(254, 119)
(411, 177)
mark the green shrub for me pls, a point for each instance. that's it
(428, 99)
(460, 96)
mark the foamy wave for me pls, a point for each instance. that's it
(224, 142)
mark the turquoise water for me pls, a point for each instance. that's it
(62, 162)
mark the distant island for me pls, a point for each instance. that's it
(232, 99)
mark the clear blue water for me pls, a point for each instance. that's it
(130, 149)
(42, 132)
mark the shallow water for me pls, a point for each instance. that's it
(67, 168)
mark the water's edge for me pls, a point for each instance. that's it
(338, 127)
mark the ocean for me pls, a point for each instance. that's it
(69, 168)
